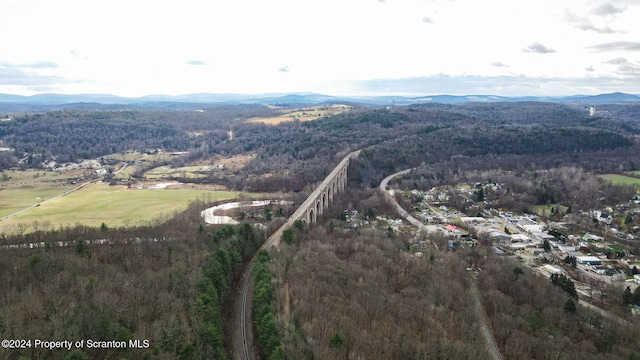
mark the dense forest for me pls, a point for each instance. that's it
(170, 284)
(353, 292)
(506, 135)
(532, 319)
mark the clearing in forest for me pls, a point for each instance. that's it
(304, 114)
(617, 179)
(113, 205)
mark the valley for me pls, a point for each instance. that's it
(344, 271)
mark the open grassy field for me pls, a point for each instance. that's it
(617, 248)
(18, 177)
(545, 210)
(622, 180)
(199, 169)
(132, 156)
(21, 189)
(127, 172)
(304, 114)
(113, 205)
(13, 199)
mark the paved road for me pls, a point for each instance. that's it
(490, 342)
(388, 194)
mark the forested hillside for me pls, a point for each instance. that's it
(297, 153)
(168, 284)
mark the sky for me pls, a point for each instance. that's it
(336, 47)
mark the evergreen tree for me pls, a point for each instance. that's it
(336, 340)
(536, 321)
(635, 299)
(288, 236)
(627, 297)
(570, 306)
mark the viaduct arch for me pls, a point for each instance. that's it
(308, 212)
(319, 199)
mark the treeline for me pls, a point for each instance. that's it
(506, 147)
(523, 188)
(72, 135)
(172, 286)
(264, 319)
(510, 135)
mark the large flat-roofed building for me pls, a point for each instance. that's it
(589, 260)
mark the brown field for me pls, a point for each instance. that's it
(304, 114)
(235, 162)
(221, 166)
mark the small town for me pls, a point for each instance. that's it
(598, 258)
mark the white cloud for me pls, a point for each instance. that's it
(616, 46)
(616, 61)
(144, 47)
(606, 8)
(586, 24)
(538, 48)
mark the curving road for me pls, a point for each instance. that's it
(492, 347)
(389, 195)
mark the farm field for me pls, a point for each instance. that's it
(113, 205)
(304, 114)
(621, 180)
(13, 199)
(20, 189)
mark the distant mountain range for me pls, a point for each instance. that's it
(295, 98)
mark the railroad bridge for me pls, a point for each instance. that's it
(319, 199)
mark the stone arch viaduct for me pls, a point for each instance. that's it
(319, 199)
(308, 212)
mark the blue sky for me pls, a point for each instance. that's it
(348, 47)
